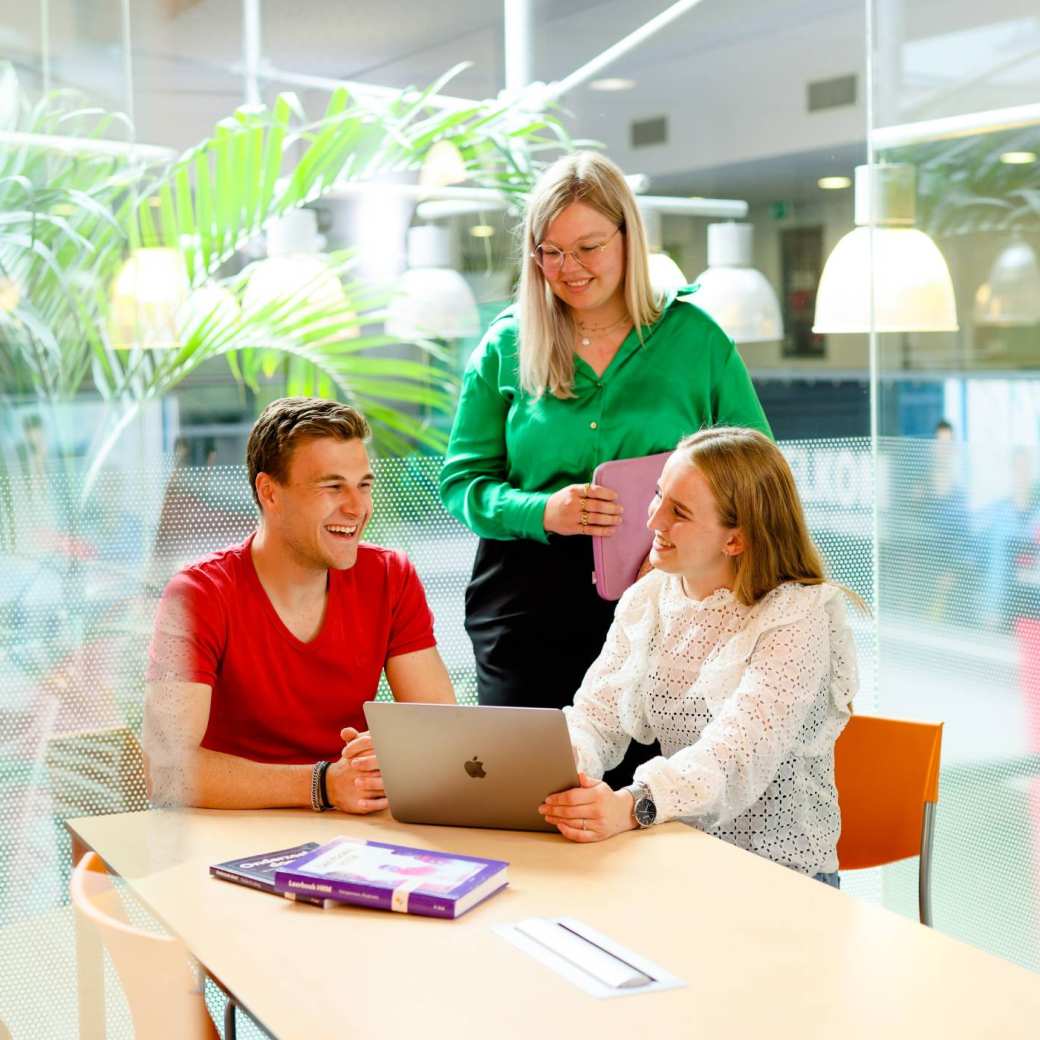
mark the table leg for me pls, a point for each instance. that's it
(90, 968)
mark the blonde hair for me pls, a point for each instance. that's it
(754, 490)
(546, 326)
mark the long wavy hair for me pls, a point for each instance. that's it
(754, 490)
(546, 324)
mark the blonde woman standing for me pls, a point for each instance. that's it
(588, 365)
(735, 654)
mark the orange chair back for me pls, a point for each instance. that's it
(160, 986)
(885, 770)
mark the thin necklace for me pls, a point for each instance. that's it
(588, 331)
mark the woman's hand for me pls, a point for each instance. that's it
(592, 812)
(582, 509)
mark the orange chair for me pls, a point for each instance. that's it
(161, 989)
(887, 775)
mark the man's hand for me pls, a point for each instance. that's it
(592, 812)
(354, 783)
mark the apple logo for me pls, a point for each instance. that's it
(475, 767)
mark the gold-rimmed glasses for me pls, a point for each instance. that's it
(587, 255)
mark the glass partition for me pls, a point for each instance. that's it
(954, 109)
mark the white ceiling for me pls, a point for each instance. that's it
(730, 75)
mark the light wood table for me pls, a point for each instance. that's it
(764, 952)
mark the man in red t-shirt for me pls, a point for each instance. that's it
(264, 653)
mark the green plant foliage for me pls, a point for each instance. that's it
(69, 220)
(963, 187)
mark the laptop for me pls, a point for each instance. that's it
(617, 559)
(471, 766)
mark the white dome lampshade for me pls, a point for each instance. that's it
(295, 269)
(442, 166)
(433, 300)
(1011, 295)
(736, 295)
(666, 275)
(208, 307)
(912, 289)
(146, 295)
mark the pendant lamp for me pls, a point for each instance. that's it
(912, 290)
(733, 292)
(433, 300)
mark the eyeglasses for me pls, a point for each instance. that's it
(551, 260)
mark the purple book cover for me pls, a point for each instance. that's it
(258, 870)
(393, 877)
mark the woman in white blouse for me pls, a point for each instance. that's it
(735, 653)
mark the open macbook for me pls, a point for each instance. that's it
(471, 766)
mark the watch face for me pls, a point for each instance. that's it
(645, 812)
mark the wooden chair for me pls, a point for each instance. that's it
(162, 990)
(887, 775)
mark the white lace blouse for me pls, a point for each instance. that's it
(746, 702)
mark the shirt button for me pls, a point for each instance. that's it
(593, 425)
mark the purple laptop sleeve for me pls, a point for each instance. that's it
(619, 557)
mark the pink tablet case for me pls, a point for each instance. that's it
(619, 557)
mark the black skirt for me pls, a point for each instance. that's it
(536, 624)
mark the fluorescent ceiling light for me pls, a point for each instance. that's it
(612, 83)
(1018, 158)
(482, 231)
(736, 295)
(885, 275)
(834, 183)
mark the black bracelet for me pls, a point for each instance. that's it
(323, 789)
(319, 798)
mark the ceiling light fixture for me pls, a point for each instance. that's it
(482, 231)
(434, 301)
(610, 84)
(885, 275)
(149, 290)
(295, 269)
(1011, 294)
(666, 277)
(834, 183)
(736, 295)
(1018, 158)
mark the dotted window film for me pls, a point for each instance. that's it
(957, 623)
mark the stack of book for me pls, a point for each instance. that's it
(371, 873)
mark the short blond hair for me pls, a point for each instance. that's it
(546, 326)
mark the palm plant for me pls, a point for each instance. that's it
(69, 220)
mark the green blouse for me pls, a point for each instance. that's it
(510, 451)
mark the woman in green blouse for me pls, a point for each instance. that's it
(588, 365)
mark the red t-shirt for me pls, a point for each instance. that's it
(276, 699)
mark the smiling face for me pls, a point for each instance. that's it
(689, 540)
(320, 512)
(598, 287)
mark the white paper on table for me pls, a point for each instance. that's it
(592, 961)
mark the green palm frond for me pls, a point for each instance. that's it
(69, 220)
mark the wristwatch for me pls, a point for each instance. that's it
(643, 808)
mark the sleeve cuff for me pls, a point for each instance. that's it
(528, 516)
